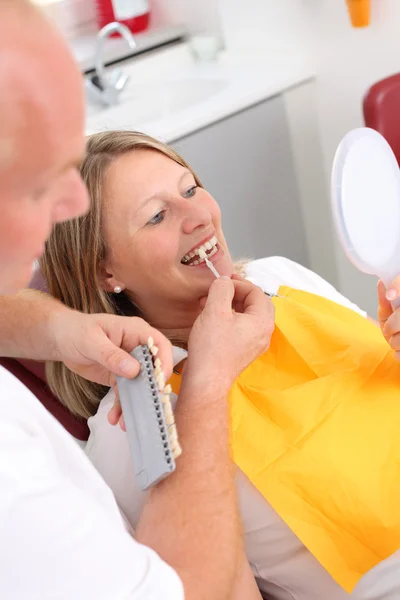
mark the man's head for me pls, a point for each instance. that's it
(41, 138)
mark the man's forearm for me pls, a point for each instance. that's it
(191, 518)
(24, 325)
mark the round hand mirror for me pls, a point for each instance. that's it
(365, 198)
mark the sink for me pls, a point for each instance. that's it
(142, 102)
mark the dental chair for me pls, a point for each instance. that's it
(381, 108)
(32, 374)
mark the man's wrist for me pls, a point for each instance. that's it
(54, 329)
(205, 385)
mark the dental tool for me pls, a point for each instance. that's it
(203, 255)
(149, 419)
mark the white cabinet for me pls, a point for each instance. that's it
(245, 161)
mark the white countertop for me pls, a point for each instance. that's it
(156, 100)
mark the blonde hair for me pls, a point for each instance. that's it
(74, 251)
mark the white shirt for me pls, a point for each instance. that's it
(285, 569)
(273, 272)
(382, 582)
(62, 536)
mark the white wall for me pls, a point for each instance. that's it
(348, 61)
(74, 18)
(265, 25)
(282, 30)
(198, 15)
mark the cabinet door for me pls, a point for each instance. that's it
(245, 162)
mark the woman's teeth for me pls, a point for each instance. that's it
(209, 254)
(209, 248)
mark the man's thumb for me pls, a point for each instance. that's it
(118, 361)
(221, 293)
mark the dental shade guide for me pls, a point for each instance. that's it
(203, 255)
(149, 419)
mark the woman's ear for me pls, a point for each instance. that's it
(107, 281)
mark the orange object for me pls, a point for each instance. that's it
(360, 12)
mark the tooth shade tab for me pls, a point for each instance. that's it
(206, 250)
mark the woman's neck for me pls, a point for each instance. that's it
(177, 337)
(175, 321)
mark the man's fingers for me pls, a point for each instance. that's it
(116, 342)
(120, 362)
(115, 413)
(116, 360)
(250, 297)
(203, 299)
(238, 293)
(159, 340)
(220, 294)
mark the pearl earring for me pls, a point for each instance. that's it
(117, 289)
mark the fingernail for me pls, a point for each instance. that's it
(127, 367)
(224, 277)
(391, 294)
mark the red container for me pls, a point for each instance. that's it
(135, 14)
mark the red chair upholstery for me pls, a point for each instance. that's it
(32, 374)
(381, 107)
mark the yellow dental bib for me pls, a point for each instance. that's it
(315, 425)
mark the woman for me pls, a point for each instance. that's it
(136, 253)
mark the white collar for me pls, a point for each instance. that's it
(178, 354)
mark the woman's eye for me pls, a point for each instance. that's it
(157, 218)
(190, 192)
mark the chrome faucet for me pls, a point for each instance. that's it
(104, 88)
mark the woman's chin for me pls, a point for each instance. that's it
(223, 267)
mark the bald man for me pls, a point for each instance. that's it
(62, 536)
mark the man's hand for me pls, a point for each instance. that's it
(97, 346)
(389, 318)
(234, 328)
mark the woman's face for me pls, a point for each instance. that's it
(155, 219)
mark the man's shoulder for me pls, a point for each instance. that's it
(23, 418)
(16, 400)
(15, 397)
(55, 501)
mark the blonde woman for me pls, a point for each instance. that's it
(134, 253)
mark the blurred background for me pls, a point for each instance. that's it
(255, 94)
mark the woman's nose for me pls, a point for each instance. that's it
(195, 217)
